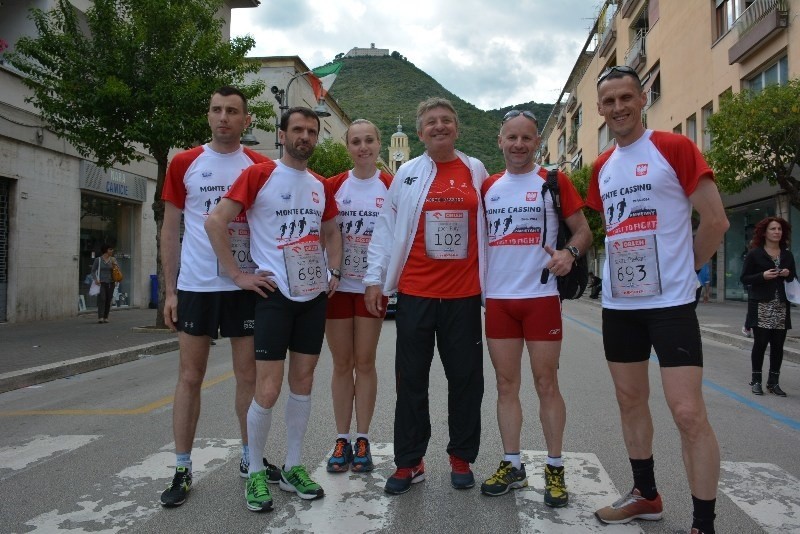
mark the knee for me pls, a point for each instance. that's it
(301, 385)
(507, 387)
(266, 397)
(365, 364)
(191, 376)
(343, 364)
(690, 419)
(631, 400)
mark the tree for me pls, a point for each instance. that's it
(330, 158)
(580, 179)
(138, 73)
(756, 137)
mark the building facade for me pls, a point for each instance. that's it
(57, 208)
(688, 55)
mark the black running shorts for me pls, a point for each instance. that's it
(225, 313)
(283, 324)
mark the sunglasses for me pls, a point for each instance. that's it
(622, 69)
(516, 113)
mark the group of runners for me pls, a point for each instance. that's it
(286, 259)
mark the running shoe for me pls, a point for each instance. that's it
(362, 459)
(342, 456)
(555, 490)
(507, 477)
(297, 480)
(273, 473)
(630, 507)
(259, 499)
(175, 494)
(461, 476)
(401, 480)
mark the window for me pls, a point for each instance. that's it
(577, 161)
(707, 111)
(691, 128)
(603, 138)
(776, 73)
(577, 119)
(678, 129)
(562, 143)
(723, 17)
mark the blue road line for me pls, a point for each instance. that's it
(779, 417)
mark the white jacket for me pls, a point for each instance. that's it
(397, 224)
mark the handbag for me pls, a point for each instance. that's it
(116, 273)
(792, 291)
(94, 289)
(572, 285)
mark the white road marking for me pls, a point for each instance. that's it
(589, 488)
(95, 515)
(767, 493)
(38, 449)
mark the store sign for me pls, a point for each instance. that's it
(113, 182)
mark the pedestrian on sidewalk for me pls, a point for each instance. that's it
(766, 267)
(101, 271)
(645, 189)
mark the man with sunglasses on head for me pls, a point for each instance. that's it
(522, 301)
(429, 245)
(649, 291)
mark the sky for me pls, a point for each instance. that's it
(491, 53)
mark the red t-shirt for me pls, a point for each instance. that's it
(424, 276)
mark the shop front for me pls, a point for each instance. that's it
(111, 203)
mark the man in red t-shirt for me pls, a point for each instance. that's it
(429, 245)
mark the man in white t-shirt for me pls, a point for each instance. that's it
(645, 189)
(201, 302)
(522, 301)
(278, 196)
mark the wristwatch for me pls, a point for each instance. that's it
(573, 250)
(336, 272)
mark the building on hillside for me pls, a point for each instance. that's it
(57, 208)
(367, 52)
(287, 78)
(688, 55)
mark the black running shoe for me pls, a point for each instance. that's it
(175, 494)
(273, 472)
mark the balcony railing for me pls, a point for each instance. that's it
(757, 11)
(572, 101)
(636, 56)
(608, 38)
(572, 142)
(562, 119)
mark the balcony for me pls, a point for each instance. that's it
(759, 22)
(636, 56)
(561, 120)
(572, 142)
(572, 101)
(652, 98)
(608, 38)
(627, 7)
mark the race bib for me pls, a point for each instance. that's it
(305, 268)
(633, 266)
(446, 234)
(239, 233)
(354, 262)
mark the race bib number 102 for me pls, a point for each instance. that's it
(446, 234)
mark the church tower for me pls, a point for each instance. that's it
(398, 148)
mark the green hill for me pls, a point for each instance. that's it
(382, 88)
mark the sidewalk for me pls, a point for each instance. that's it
(40, 351)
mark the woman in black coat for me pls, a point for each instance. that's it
(766, 267)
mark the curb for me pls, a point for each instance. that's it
(54, 371)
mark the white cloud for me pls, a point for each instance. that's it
(491, 54)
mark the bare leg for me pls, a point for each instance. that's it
(506, 355)
(632, 386)
(367, 332)
(186, 406)
(244, 369)
(544, 357)
(339, 333)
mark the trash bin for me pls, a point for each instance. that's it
(153, 291)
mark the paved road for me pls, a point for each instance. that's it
(91, 454)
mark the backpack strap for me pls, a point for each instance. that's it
(551, 185)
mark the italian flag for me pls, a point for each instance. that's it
(323, 78)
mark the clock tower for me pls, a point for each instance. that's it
(398, 148)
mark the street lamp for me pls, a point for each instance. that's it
(282, 96)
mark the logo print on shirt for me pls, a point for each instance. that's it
(286, 196)
(347, 200)
(315, 197)
(494, 198)
(530, 196)
(410, 180)
(379, 202)
(641, 169)
(206, 174)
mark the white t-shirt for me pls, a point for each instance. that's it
(359, 203)
(286, 208)
(642, 189)
(515, 210)
(196, 180)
